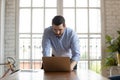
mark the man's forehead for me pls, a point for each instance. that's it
(58, 27)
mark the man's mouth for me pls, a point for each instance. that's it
(58, 35)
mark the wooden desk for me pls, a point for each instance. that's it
(41, 75)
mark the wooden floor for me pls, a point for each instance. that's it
(41, 75)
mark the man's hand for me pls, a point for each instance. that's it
(72, 65)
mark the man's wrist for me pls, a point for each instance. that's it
(73, 64)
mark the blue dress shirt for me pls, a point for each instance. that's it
(67, 45)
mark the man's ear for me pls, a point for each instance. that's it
(64, 25)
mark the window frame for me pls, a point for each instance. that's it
(60, 12)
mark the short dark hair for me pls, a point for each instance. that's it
(57, 20)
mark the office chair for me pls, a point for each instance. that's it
(114, 73)
(116, 77)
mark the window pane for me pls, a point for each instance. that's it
(69, 15)
(37, 49)
(25, 65)
(81, 3)
(37, 3)
(95, 47)
(83, 65)
(81, 20)
(24, 49)
(37, 21)
(95, 21)
(25, 21)
(25, 3)
(83, 46)
(70, 3)
(94, 3)
(36, 65)
(24, 36)
(95, 66)
(49, 3)
(37, 36)
(50, 13)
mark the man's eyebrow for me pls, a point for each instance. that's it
(57, 29)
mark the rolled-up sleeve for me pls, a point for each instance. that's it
(75, 47)
(46, 44)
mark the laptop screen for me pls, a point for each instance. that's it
(56, 63)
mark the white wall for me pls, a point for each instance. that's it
(10, 28)
(111, 21)
(2, 22)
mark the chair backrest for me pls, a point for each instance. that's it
(117, 77)
(114, 70)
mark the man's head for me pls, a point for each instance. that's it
(58, 25)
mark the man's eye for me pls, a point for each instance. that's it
(60, 29)
(55, 30)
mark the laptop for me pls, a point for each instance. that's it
(56, 63)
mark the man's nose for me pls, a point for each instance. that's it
(57, 32)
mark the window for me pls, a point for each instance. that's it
(34, 16)
(83, 16)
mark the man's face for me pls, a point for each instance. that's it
(58, 29)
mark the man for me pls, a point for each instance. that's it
(63, 41)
